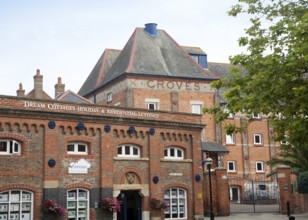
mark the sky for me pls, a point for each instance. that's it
(65, 38)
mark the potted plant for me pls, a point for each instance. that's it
(50, 207)
(111, 205)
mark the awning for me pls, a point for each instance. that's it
(209, 146)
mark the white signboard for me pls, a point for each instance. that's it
(81, 166)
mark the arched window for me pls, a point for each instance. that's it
(77, 148)
(78, 204)
(8, 146)
(16, 204)
(177, 200)
(128, 151)
(174, 153)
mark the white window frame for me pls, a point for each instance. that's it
(177, 199)
(260, 139)
(262, 170)
(233, 164)
(196, 107)
(109, 96)
(256, 115)
(176, 156)
(78, 204)
(122, 151)
(230, 139)
(152, 105)
(10, 147)
(15, 203)
(152, 102)
(76, 150)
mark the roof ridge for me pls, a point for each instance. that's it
(132, 55)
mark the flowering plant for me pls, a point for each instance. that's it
(51, 207)
(158, 204)
(111, 205)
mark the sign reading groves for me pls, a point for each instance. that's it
(85, 109)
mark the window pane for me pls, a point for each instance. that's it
(120, 150)
(172, 152)
(152, 106)
(259, 166)
(70, 147)
(3, 146)
(166, 152)
(179, 153)
(135, 151)
(81, 148)
(127, 150)
(16, 147)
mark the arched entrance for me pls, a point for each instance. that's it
(131, 208)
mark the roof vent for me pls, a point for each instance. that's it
(151, 28)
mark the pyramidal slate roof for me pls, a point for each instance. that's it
(145, 54)
(99, 72)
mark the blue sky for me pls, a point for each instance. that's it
(65, 38)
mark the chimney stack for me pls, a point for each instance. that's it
(38, 85)
(59, 88)
(151, 28)
(20, 92)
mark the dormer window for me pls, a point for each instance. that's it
(201, 59)
(9, 147)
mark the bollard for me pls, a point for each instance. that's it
(288, 209)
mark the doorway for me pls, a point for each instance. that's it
(131, 208)
(234, 194)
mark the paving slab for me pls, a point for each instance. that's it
(259, 216)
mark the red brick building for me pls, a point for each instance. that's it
(135, 131)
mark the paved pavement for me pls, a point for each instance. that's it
(261, 216)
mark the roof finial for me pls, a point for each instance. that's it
(38, 72)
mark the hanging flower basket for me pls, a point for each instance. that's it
(158, 204)
(111, 205)
(50, 207)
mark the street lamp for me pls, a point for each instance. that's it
(208, 161)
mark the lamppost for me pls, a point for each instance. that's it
(208, 161)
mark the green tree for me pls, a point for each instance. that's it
(275, 80)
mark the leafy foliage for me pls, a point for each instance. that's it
(111, 205)
(52, 208)
(275, 80)
(158, 204)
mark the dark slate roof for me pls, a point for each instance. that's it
(145, 54)
(194, 50)
(220, 69)
(44, 95)
(70, 96)
(209, 146)
(99, 71)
